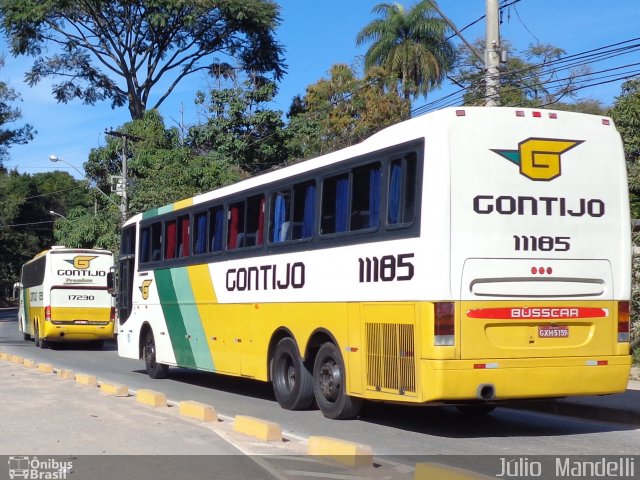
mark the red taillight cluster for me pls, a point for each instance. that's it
(623, 321)
(112, 315)
(47, 313)
(444, 323)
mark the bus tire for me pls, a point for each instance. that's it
(154, 369)
(292, 381)
(329, 386)
(39, 341)
(26, 336)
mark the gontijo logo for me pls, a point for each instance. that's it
(144, 289)
(81, 262)
(539, 158)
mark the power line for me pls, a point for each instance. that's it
(25, 224)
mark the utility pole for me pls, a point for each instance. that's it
(492, 54)
(491, 58)
(124, 181)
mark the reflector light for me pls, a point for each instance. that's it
(537, 114)
(485, 365)
(519, 113)
(596, 363)
(606, 121)
(541, 270)
(112, 315)
(460, 113)
(47, 313)
(553, 115)
(623, 321)
(603, 362)
(444, 323)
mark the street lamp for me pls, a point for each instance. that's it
(55, 159)
(56, 214)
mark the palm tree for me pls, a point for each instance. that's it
(411, 45)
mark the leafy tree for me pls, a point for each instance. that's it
(343, 110)
(8, 115)
(240, 130)
(626, 114)
(26, 226)
(122, 50)
(530, 80)
(410, 44)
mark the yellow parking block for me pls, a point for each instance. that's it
(88, 380)
(66, 374)
(114, 389)
(45, 368)
(346, 453)
(438, 471)
(200, 411)
(30, 363)
(260, 429)
(151, 398)
(17, 359)
(5, 356)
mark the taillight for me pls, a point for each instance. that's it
(444, 327)
(623, 321)
(112, 316)
(47, 313)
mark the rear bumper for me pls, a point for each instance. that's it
(446, 380)
(72, 333)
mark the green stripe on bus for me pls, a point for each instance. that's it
(192, 320)
(150, 213)
(27, 311)
(173, 318)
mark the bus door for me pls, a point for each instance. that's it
(126, 265)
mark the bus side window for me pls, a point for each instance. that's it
(170, 236)
(401, 206)
(156, 242)
(280, 225)
(304, 209)
(183, 236)
(235, 226)
(254, 230)
(335, 204)
(216, 222)
(365, 197)
(145, 245)
(200, 233)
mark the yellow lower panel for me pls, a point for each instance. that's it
(524, 378)
(72, 333)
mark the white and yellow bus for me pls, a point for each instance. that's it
(469, 256)
(63, 297)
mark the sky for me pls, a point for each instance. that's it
(317, 34)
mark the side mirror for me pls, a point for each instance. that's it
(17, 288)
(111, 282)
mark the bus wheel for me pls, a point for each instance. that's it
(26, 336)
(292, 381)
(154, 369)
(329, 385)
(40, 342)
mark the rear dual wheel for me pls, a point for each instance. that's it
(329, 385)
(292, 380)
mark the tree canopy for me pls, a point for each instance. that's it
(410, 44)
(122, 50)
(9, 114)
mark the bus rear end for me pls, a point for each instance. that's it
(540, 257)
(80, 308)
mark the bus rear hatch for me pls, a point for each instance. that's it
(517, 308)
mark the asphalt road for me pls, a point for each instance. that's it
(397, 431)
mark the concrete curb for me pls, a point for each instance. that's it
(197, 410)
(260, 429)
(114, 389)
(346, 453)
(88, 380)
(151, 397)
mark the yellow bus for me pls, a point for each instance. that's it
(470, 256)
(63, 297)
